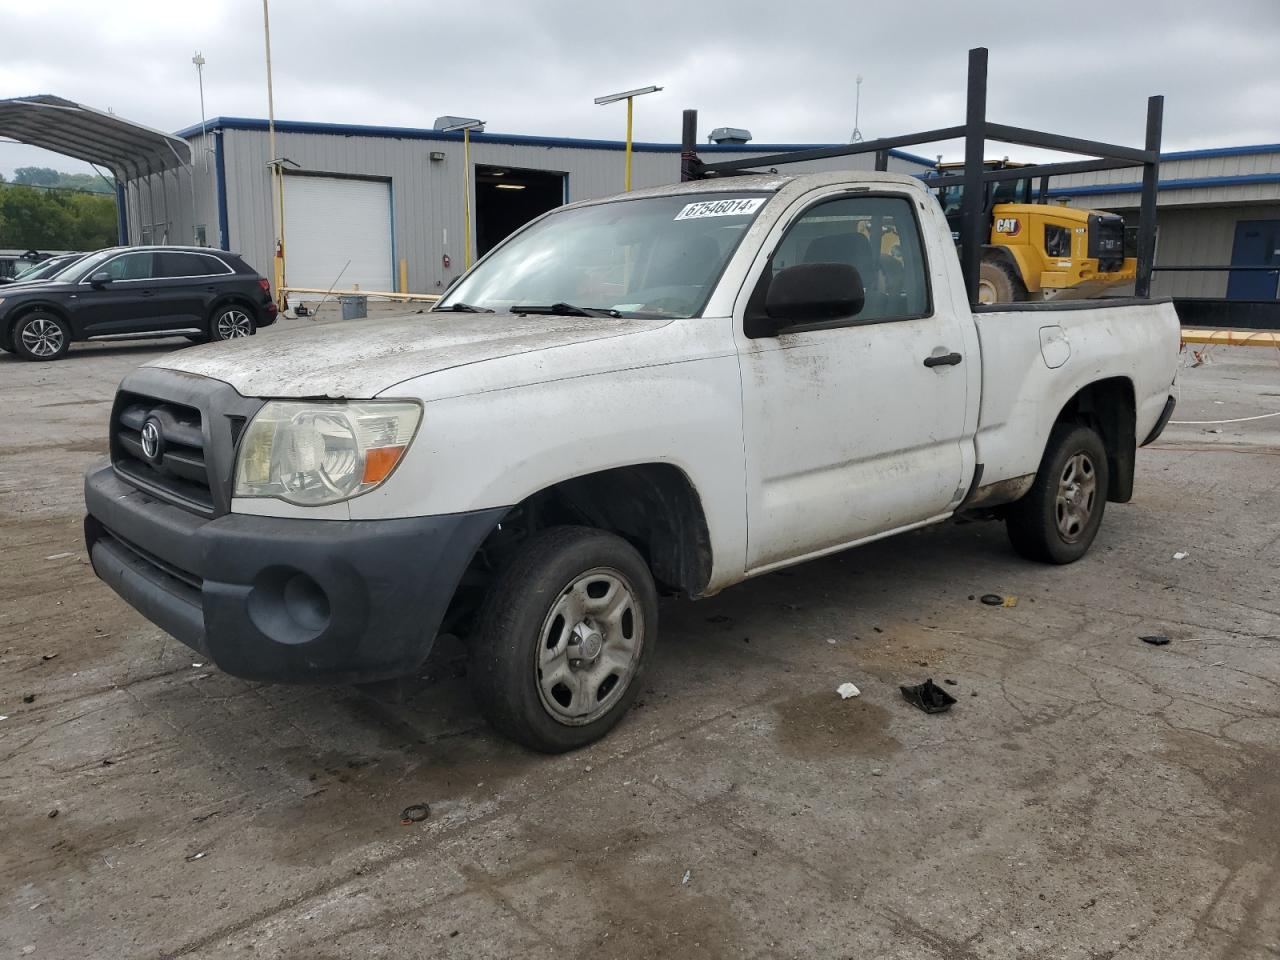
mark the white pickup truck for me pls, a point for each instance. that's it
(668, 391)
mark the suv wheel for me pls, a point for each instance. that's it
(41, 336)
(231, 323)
(563, 637)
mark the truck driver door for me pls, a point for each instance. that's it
(848, 432)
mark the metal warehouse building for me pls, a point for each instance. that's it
(361, 201)
(1215, 208)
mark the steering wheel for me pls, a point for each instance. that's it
(672, 304)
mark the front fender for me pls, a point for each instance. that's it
(499, 447)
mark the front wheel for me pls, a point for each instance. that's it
(1059, 516)
(563, 637)
(41, 336)
(231, 323)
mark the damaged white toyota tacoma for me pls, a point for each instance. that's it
(666, 392)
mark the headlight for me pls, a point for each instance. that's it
(317, 453)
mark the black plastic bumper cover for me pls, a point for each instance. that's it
(287, 600)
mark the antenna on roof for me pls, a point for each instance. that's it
(857, 109)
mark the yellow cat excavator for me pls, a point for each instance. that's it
(1039, 250)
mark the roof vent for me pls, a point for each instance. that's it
(444, 123)
(729, 135)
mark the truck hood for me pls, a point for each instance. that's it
(360, 359)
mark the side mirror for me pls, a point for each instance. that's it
(813, 292)
(100, 279)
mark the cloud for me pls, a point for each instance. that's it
(785, 71)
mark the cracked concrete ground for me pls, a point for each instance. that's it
(1090, 796)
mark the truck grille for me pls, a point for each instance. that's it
(159, 446)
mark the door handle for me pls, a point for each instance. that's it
(944, 360)
(148, 293)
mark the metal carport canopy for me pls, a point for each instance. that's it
(127, 149)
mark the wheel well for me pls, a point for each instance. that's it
(1001, 256)
(226, 301)
(653, 506)
(26, 308)
(1108, 406)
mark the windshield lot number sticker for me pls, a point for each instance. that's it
(720, 208)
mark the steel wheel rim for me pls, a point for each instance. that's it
(1077, 494)
(42, 337)
(986, 291)
(233, 324)
(589, 647)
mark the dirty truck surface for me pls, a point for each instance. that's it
(1090, 795)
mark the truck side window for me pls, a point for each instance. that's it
(878, 235)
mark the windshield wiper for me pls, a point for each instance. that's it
(466, 308)
(565, 310)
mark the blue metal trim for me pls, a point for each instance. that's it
(220, 184)
(1184, 184)
(122, 215)
(1258, 148)
(509, 139)
(417, 133)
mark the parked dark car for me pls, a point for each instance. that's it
(136, 292)
(47, 268)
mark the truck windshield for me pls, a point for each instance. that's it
(654, 255)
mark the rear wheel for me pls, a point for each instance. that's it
(41, 336)
(231, 323)
(563, 637)
(997, 283)
(1059, 517)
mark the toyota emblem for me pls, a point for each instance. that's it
(151, 440)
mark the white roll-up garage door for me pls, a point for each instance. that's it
(330, 221)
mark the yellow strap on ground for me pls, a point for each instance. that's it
(1233, 338)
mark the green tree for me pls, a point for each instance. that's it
(52, 220)
(95, 223)
(90, 182)
(36, 176)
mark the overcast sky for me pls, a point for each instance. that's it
(786, 71)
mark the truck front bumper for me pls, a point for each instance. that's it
(287, 600)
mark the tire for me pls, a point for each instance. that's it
(231, 322)
(41, 335)
(540, 610)
(1059, 516)
(997, 283)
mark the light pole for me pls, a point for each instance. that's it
(277, 169)
(466, 125)
(198, 60)
(627, 95)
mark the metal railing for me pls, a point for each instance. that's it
(975, 131)
(357, 292)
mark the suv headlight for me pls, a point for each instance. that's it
(317, 453)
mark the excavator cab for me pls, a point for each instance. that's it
(1036, 249)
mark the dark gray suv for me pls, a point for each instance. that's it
(135, 292)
